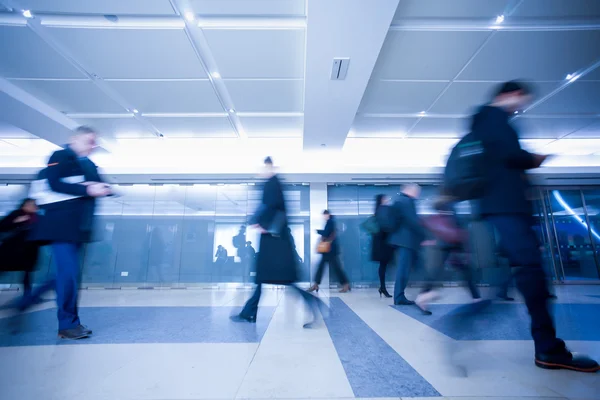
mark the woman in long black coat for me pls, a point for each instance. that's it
(381, 251)
(276, 262)
(16, 252)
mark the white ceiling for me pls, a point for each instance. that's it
(259, 69)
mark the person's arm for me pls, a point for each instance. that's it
(329, 230)
(498, 139)
(55, 173)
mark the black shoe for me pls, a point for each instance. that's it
(86, 329)
(404, 302)
(505, 297)
(73, 334)
(383, 292)
(572, 361)
(242, 318)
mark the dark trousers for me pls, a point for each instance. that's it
(436, 260)
(406, 259)
(66, 285)
(250, 309)
(521, 245)
(382, 269)
(334, 263)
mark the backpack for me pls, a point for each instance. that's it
(464, 175)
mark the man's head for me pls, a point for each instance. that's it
(513, 96)
(269, 169)
(326, 215)
(83, 141)
(412, 190)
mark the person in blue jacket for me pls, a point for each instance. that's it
(66, 192)
(506, 207)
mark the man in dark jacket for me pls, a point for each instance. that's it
(406, 235)
(505, 205)
(66, 193)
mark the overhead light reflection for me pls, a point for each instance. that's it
(27, 14)
(572, 213)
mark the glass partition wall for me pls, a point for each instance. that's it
(566, 221)
(196, 235)
(175, 235)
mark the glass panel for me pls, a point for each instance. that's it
(574, 241)
(592, 204)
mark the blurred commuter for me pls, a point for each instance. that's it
(276, 262)
(66, 193)
(450, 240)
(381, 251)
(16, 252)
(330, 250)
(504, 204)
(221, 256)
(406, 235)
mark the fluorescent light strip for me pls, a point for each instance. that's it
(252, 23)
(65, 21)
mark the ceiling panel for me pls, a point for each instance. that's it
(215, 127)
(440, 128)
(116, 7)
(534, 55)
(269, 53)
(374, 127)
(399, 97)
(266, 127)
(558, 9)
(590, 131)
(249, 7)
(8, 131)
(452, 9)
(577, 98)
(267, 96)
(133, 54)
(426, 55)
(118, 127)
(22, 53)
(169, 96)
(465, 97)
(71, 96)
(551, 128)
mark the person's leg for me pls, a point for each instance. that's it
(435, 261)
(336, 265)
(67, 284)
(382, 268)
(521, 244)
(26, 283)
(250, 310)
(405, 260)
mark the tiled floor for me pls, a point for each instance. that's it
(180, 344)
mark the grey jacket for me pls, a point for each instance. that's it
(408, 231)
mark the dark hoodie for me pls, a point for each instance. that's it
(506, 183)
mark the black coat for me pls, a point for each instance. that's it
(381, 251)
(70, 220)
(329, 232)
(506, 182)
(16, 252)
(276, 261)
(409, 231)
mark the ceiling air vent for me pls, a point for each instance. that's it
(339, 70)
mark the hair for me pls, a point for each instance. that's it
(326, 212)
(379, 201)
(25, 201)
(512, 87)
(85, 130)
(269, 161)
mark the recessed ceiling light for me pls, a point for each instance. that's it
(216, 75)
(573, 77)
(516, 112)
(423, 113)
(189, 16)
(500, 19)
(231, 110)
(135, 111)
(27, 14)
(569, 76)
